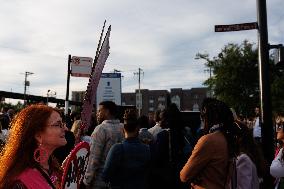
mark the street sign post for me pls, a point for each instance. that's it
(236, 27)
(264, 85)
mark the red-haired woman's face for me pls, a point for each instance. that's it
(53, 135)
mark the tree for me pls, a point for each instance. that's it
(17, 107)
(277, 90)
(235, 77)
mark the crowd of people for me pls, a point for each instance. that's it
(138, 152)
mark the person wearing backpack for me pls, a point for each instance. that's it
(127, 163)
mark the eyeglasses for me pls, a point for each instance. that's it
(279, 127)
(58, 124)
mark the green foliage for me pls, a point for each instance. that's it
(235, 78)
(277, 89)
(17, 107)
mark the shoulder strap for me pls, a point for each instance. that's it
(47, 178)
(122, 153)
(122, 162)
(231, 174)
(170, 145)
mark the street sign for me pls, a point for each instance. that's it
(81, 66)
(236, 27)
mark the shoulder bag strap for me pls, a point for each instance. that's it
(122, 162)
(231, 174)
(170, 145)
(47, 178)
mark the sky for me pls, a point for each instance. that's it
(162, 37)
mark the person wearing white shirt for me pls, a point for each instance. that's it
(257, 128)
(250, 161)
(157, 128)
(277, 165)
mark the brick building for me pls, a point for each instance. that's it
(151, 100)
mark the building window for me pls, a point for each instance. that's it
(161, 98)
(195, 107)
(161, 106)
(151, 101)
(176, 100)
(151, 109)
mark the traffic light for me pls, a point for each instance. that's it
(279, 58)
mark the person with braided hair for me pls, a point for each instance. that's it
(211, 162)
(127, 163)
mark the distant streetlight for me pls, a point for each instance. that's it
(47, 97)
(50, 94)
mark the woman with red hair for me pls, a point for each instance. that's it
(26, 161)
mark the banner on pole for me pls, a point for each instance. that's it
(90, 95)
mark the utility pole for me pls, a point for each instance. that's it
(139, 99)
(27, 83)
(265, 96)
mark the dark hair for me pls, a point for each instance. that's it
(157, 115)
(111, 106)
(164, 119)
(248, 146)
(5, 109)
(130, 120)
(143, 122)
(215, 112)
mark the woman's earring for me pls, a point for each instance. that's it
(40, 154)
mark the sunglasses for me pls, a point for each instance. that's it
(279, 127)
